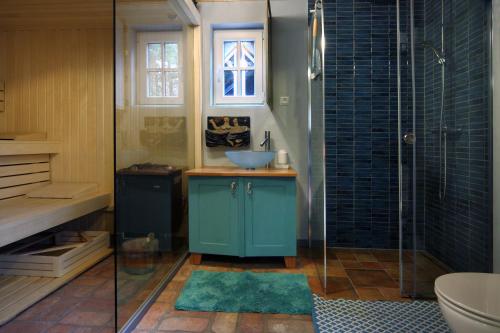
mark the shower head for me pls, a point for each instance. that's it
(439, 55)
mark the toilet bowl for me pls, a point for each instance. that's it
(470, 302)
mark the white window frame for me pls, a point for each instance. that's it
(238, 35)
(143, 39)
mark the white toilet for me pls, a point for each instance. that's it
(470, 302)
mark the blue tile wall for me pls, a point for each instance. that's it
(458, 228)
(361, 129)
(361, 123)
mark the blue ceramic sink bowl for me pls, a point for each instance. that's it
(250, 159)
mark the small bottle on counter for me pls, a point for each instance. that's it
(282, 160)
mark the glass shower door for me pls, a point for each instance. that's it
(407, 148)
(316, 126)
(154, 147)
(444, 140)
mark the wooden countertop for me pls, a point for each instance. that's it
(238, 172)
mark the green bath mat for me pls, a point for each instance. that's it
(246, 292)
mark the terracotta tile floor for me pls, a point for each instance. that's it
(86, 304)
(133, 289)
(352, 274)
(162, 317)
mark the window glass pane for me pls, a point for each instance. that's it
(154, 56)
(248, 83)
(172, 84)
(230, 84)
(171, 55)
(247, 54)
(230, 54)
(155, 84)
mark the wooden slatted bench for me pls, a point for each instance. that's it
(24, 168)
(21, 216)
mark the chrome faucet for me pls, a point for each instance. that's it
(267, 144)
(267, 141)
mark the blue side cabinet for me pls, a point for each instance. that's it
(242, 216)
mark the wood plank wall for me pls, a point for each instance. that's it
(59, 80)
(55, 13)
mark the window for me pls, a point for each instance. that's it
(238, 67)
(160, 68)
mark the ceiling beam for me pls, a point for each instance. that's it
(187, 11)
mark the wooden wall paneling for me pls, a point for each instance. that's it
(91, 114)
(3, 56)
(107, 113)
(55, 13)
(100, 126)
(60, 81)
(10, 84)
(81, 90)
(74, 149)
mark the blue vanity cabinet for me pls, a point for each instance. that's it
(242, 216)
(214, 215)
(270, 216)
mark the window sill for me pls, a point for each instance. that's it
(239, 106)
(153, 106)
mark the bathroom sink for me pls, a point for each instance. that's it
(250, 159)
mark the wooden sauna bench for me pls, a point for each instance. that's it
(25, 167)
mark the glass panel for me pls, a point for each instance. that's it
(155, 84)
(230, 83)
(153, 152)
(230, 54)
(439, 158)
(451, 119)
(171, 55)
(154, 55)
(172, 84)
(247, 54)
(316, 127)
(405, 160)
(248, 82)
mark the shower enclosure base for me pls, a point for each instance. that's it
(374, 274)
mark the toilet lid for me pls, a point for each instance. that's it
(478, 293)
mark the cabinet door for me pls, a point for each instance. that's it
(213, 215)
(270, 216)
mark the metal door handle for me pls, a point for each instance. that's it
(233, 187)
(249, 188)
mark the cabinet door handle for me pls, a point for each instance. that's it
(233, 187)
(249, 188)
